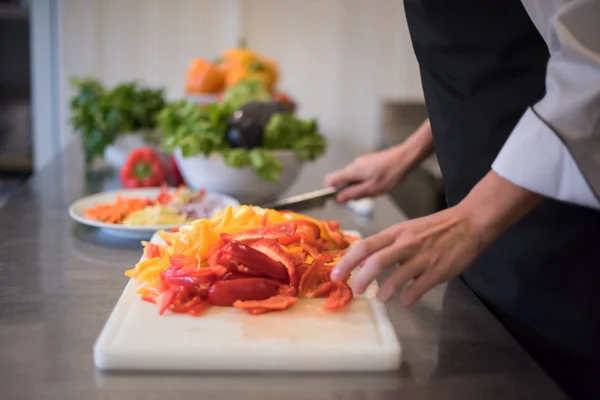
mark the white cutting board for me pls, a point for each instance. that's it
(303, 338)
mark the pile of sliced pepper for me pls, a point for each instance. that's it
(245, 257)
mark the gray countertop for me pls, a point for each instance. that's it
(59, 281)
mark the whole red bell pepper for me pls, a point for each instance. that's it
(174, 173)
(143, 168)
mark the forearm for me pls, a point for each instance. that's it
(495, 204)
(418, 146)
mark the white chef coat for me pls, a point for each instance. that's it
(536, 156)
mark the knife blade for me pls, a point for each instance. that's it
(306, 201)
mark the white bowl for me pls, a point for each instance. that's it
(211, 173)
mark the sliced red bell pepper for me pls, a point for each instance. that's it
(240, 275)
(164, 300)
(199, 309)
(311, 279)
(290, 240)
(200, 273)
(272, 250)
(336, 236)
(273, 231)
(164, 197)
(309, 228)
(151, 250)
(143, 168)
(257, 261)
(322, 290)
(212, 255)
(225, 293)
(264, 219)
(273, 303)
(312, 250)
(200, 281)
(333, 225)
(149, 298)
(180, 261)
(297, 258)
(340, 295)
(285, 290)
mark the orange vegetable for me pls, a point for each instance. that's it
(204, 77)
(114, 213)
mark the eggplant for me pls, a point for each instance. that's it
(247, 125)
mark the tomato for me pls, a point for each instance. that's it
(225, 293)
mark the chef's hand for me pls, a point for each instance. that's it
(430, 250)
(433, 249)
(379, 172)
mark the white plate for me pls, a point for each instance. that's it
(77, 210)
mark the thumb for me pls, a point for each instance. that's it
(338, 178)
(355, 192)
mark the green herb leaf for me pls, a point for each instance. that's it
(266, 165)
(285, 131)
(100, 114)
(245, 91)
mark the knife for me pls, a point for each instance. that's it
(307, 201)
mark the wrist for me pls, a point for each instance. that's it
(495, 204)
(418, 146)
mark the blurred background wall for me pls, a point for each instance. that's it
(339, 58)
(349, 63)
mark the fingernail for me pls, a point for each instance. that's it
(335, 275)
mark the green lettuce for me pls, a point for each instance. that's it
(202, 130)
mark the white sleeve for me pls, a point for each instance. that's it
(555, 147)
(534, 158)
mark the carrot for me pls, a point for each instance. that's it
(116, 212)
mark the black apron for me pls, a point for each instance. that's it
(482, 63)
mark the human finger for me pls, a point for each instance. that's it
(403, 274)
(340, 177)
(375, 264)
(419, 287)
(358, 252)
(356, 191)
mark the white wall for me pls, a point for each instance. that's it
(338, 58)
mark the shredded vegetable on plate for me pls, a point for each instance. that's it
(116, 212)
(166, 209)
(155, 215)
